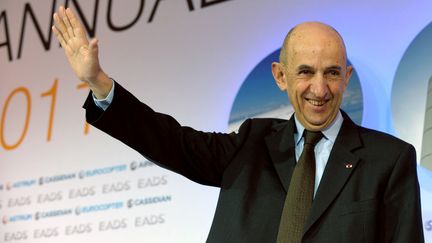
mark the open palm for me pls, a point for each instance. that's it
(81, 54)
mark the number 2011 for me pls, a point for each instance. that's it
(51, 93)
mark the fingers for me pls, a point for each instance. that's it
(61, 40)
(59, 37)
(61, 27)
(94, 47)
(66, 22)
(77, 28)
(69, 30)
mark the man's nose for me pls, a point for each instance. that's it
(319, 86)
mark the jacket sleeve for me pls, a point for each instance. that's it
(402, 210)
(199, 156)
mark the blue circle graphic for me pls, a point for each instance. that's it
(412, 96)
(412, 113)
(259, 96)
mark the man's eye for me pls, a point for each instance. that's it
(305, 72)
(334, 72)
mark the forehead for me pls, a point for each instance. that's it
(316, 46)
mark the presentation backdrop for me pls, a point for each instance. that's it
(64, 181)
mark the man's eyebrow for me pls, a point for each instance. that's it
(303, 67)
(307, 67)
(334, 67)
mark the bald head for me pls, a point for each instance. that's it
(313, 71)
(310, 31)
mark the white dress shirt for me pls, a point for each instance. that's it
(322, 148)
(104, 103)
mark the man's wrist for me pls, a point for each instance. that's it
(102, 86)
(105, 102)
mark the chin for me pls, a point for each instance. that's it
(319, 121)
(318, 124)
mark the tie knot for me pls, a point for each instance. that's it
(312, 138)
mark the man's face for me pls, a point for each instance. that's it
(315, 76)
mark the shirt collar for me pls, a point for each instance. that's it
(330, 132)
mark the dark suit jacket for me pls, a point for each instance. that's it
(375, 200)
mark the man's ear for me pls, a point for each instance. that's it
(279, 75)
(348, 75)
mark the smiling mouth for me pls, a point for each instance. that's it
(316, 102)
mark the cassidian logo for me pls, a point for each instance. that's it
(17, 218)
(98, 208)
(147, 201)
(134, 165)
(56, 178)
(52, 213)
(259, 96)
(102, 171)
(21, 184)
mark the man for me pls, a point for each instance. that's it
(363, 183)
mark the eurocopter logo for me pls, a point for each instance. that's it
(98, 208)
(102, 171)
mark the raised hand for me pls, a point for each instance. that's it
(81, 54)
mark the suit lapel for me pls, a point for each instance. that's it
(281, 146)
(340, 165)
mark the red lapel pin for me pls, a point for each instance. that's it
(348, 165)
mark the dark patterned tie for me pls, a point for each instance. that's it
(298, 201)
